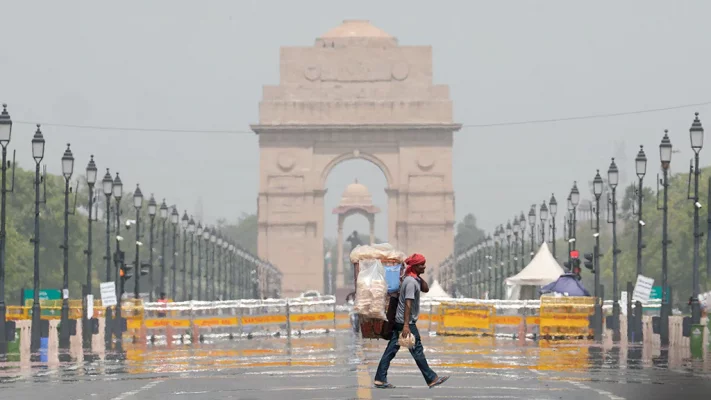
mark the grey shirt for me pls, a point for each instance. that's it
(409, 290)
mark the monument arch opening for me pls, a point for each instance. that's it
(355, 94)
(355, 212)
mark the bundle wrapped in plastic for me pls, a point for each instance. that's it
(371, 290)
(381, 251)
(406, 341)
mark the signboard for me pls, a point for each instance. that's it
(642, 289)
(108, 294)
(656, 293)
(89, 306)
(44, 294)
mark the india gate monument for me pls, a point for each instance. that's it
(354, 94)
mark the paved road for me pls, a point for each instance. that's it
(341, 367)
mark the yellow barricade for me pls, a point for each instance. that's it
(465, 319)
(210, 322)
(263, 319)
(566, 316)
(163, 322)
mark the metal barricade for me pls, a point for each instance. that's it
(207, 320)
(515, 318)
(308, 315)
(263, 317)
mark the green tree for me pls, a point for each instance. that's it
(244, 231)
(468, 234)
(680, 250)
(20, 229)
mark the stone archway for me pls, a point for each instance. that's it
(355, 94)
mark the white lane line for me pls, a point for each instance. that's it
(583, 386)
(145, 387)
(601, 392)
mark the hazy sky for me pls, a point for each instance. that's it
(176, 64)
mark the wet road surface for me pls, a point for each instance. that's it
(341, 366)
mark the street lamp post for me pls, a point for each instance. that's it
(569, 227)
(641, 170)
(184, 225)
(665, 153)
(220, 270)
(38, 155)
(522, 227)
(107, 185)
(696, 135)
(191, 231)
(233, 280)
(574, 201)
(516, 232)
(206, 239)
(164, 219)
(489, 264)
(174, 221)
(495, 264)
(532, 222)
(199, 232)
(509, 232)
(67, 172)
(213, 239)
(152, 209)
(91, 175)
(544, 220)
(118, 261)
(597, 191)
(137, 204)
(613, 177)
(225, 280)
(553, 207)
(5, 136)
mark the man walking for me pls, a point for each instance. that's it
(408, 310)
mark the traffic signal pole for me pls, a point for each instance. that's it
(597, 327)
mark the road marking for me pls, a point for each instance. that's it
(147, 386)
(598, 391)
(364, 391)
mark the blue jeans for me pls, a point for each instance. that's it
(417, 353)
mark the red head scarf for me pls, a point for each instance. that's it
(415, 259)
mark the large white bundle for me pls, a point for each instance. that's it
(371, 290)
(381, 251)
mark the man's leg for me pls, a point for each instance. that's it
(381, 375)
(418, 354)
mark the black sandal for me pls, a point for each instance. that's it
(384, 386)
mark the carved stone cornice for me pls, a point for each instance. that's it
(280, 128)
(406, 224)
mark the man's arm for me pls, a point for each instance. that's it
(424, 287)
(408, 309)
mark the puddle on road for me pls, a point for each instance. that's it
(504, 357)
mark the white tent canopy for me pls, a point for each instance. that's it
(542, 270)
(436, 292)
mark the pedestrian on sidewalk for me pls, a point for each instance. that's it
(408, 310)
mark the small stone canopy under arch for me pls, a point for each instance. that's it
(356, 199)
(369, 99)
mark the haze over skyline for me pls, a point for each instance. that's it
(174, 66)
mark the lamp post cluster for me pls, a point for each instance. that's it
(226, 269)
(479, 269)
